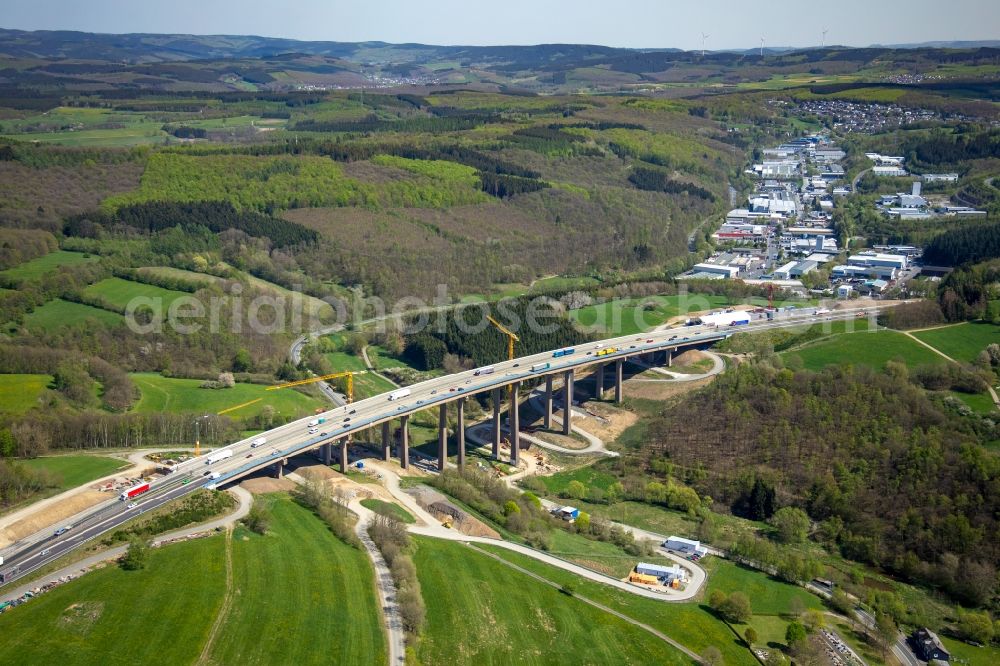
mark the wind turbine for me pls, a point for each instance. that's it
(825, 30)
(703, 38)
(762, 46)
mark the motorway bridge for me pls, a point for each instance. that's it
(342, 422)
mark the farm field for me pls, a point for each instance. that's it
(19, 393)
(312, 597)
(962, 342)
(869, 348)
(979, 402)
(691, 624)
(74, 471)
(93, 618)
(58, 313)
(36, 268)
(167, 394)
(464, 588)
(118, 293)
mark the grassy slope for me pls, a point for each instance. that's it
(962, 342)
(388, 508)
(119, 292)
(19, 393)
(76, 470)
(768, 596)
(691, 624)
(36, 268)
(324, 611)
(869, 348)
(120, 617)
(61, 313)
(480, 611)
(165, 394)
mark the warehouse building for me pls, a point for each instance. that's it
(684, 546)
(665, 575)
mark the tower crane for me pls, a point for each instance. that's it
(347, 373)
(511, 336)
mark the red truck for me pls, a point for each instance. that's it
(134, 492)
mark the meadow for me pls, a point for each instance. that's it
(691, 624)
(962, 342)
(57, 313)
(330, 598)
(19, 393)
(871, 348)
(74, 471)
(118, 293)
(50, 263)
(481, 611)
(94, 620)
(167, 394)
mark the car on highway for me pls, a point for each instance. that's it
(132, 505)
(63, 530)
(44, 552)
(249, 455)
(274, 453)
(651, 339)
(353, 411)
(322, 434)
(207, 473)
(434, 392)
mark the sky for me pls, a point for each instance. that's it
(628, 23)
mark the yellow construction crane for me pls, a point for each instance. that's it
(347, 373)
(511, 337)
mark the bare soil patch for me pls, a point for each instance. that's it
(265, 485)
(611, 421)
(50, 515)
(665, 390)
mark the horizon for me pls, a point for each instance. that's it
(524, 23)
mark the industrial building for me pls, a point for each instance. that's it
(716, 270)
(877, 259)
(684, 546)
(889, 171)
(940, 177)
(666, 575)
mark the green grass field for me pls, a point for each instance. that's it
(199, 279)
(597, 555)
(388, 509)
(147, 617)
(36, 268)
(768, 595)
(480, 611)
(74, 471)
(627, 316)
(58, 313)
(119, 293)
(296, 581)
(19, 393)
(691, 624)
(141, 616)
(970, 655)
(166, 394)
(867, 348)
(962, 342)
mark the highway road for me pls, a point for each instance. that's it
(295, 437)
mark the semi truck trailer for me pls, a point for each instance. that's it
(219, 455)
(134, 492)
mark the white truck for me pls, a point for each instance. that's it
(399, 393)
(218, 455)
(260, 441)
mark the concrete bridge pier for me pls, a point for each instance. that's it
(548, 402)
(442, 436)
(343, 456)
(618, 381)
(279, 468)
(668, 358)
(599, 382)
(404, 441)
(461, 432)
(497, 393)
(568, 396)
(386, 442)
(515, 424)
(327, 453)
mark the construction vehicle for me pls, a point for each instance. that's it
(447, 522)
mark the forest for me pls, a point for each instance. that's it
(891, 476)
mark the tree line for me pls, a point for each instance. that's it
(657, 181)
(216, 216)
